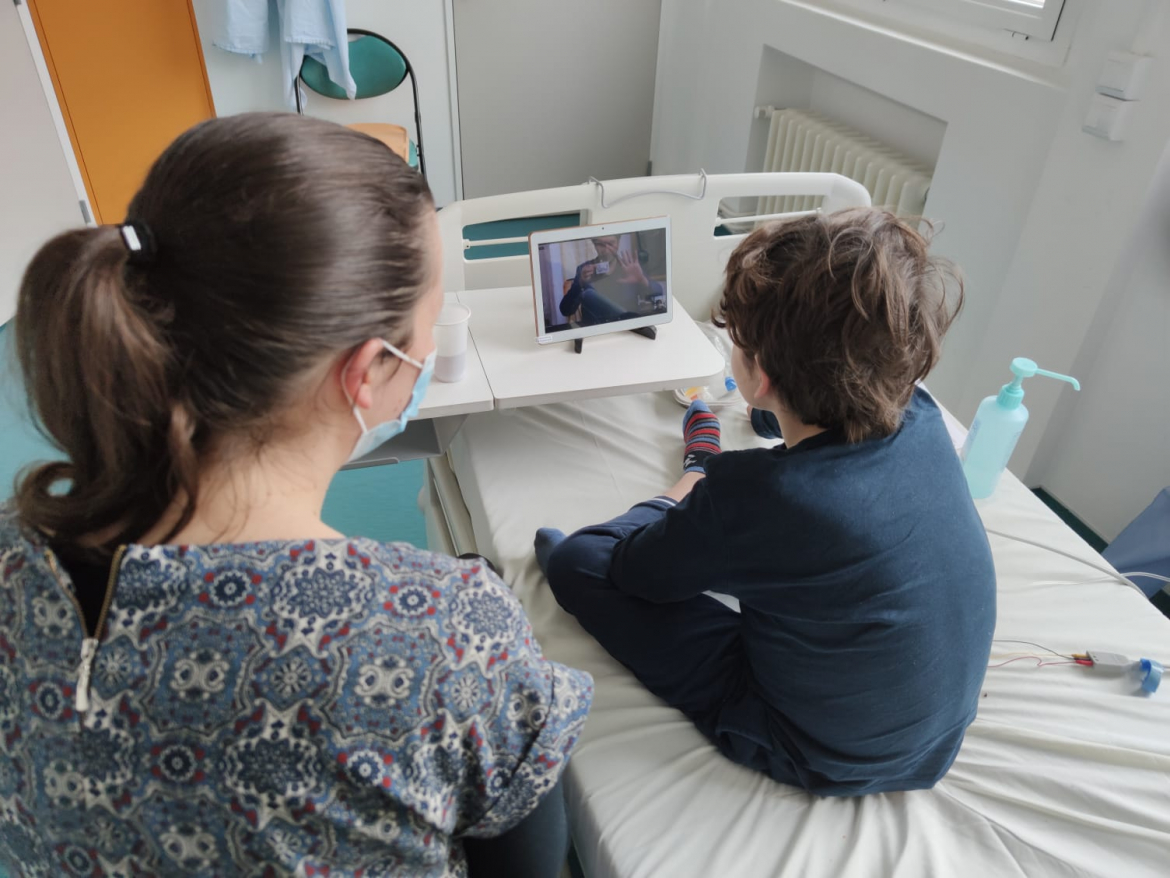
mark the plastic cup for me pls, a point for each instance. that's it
(451, 343)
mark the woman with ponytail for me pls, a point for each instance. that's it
(198, 676)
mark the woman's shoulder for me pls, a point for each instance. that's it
(20, 546)
(318, 592)
(10, 535)
(396, 558)
(315, 559)
(352, 571)
(462, 596)
(12, 532)
(400, 565)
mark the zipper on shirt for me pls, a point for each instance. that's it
(89, 641)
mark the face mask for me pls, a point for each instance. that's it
(374, 436)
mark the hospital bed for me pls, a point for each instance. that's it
(1064, 772)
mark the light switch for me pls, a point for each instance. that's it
(1124, 75)
(1108, 117)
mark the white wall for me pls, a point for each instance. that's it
(418, 27)
(552, 92)
(1113, 453)
(1000, 117)
(1079, 227)
(37, 198)
(1038, 213)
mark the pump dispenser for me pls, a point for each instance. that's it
(996, 429)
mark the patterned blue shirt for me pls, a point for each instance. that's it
(328, 707)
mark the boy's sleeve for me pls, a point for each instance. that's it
(678, 554)
(531, 714)
(766, 424)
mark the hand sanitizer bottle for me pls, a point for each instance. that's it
(998, 423)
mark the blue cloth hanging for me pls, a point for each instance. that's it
(308, 28)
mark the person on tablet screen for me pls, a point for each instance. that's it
(612, 286)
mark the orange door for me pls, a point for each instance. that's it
(129, 76)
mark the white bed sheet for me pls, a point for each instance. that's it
(1062, 773)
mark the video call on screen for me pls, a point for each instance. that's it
(603, 279)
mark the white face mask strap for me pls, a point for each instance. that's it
(405, 357)
(361, 421)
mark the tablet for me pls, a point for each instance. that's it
(589, 280)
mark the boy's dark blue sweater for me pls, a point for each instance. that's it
(867, 595)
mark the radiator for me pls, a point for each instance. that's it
(801, 140)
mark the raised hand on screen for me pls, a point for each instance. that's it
(631, 269)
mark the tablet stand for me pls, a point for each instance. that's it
(650, 332)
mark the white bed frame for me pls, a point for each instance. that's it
(696, 205)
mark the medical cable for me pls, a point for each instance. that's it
(1032, 643)
(1158, 576)
(1041, 661)
(1113, 575)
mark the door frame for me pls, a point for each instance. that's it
(76, 173)
(453, 95)
(46, 72)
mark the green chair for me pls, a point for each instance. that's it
(378, 67)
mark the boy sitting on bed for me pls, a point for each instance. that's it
(863, 573)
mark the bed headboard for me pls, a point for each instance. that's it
(691, 201)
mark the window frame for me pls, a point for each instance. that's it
(930, 21)
(1017, 16)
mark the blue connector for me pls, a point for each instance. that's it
(1151, 675)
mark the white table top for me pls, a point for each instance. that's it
(522, 372)
(472, 394)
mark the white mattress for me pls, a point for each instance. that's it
(1062, 773)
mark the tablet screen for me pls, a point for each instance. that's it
(592, 281)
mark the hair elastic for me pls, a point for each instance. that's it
(139, 241)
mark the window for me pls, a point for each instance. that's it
(1035, 19)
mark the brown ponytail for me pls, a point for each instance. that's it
(279, 240)
(95, 366)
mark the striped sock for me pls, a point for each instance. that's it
(701, 435)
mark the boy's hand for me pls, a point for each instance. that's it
(683, 487)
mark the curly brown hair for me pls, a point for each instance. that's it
(843, 312)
